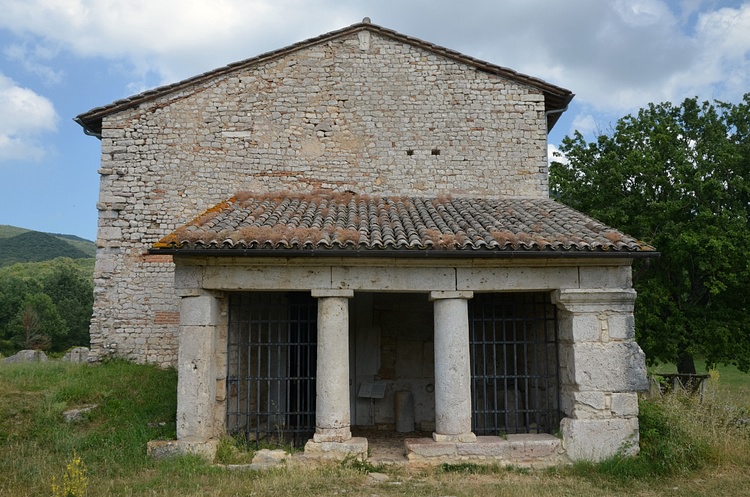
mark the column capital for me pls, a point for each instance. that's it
(331, 292)
(442, 295)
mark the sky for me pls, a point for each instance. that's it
(60, 58)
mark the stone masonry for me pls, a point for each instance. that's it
(374, 116)
(362, 110)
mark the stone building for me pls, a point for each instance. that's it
(354, 232)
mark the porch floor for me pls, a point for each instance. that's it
(387, 447)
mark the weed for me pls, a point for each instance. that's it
(74, 480)
(357, 464)
(469, 468)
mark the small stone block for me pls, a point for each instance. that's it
(426, 447)
(161, 449)
(355, 446)
(462, 437)
(542, 446)
(485, 447)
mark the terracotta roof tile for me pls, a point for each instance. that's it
(347, 222)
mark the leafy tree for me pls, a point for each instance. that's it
(68, 285)
(677, 177)
(73, 295)
(38, 324)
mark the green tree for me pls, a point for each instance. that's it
(69, 285)
(677, 177)
(73, 295)
(13, 290)
(38, 324)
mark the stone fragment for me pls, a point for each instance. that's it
(77, 414)
(27, 356)
(76, 355)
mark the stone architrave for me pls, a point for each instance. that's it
(332, 411)
(452, 367)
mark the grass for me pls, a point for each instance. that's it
(687, 448)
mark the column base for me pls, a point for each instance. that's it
(332, 435)
(461, 437)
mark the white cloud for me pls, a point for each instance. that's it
(586, 124)
(32, 61)
(25, 116)
(171, 38)
(555, 155)
(616, 56)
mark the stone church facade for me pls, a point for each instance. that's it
(354, 232)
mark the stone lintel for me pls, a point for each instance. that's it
(331, 292)
(441, 295)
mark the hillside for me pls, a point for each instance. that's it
(22, 245)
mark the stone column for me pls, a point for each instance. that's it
(196, 383)
(602, 370)
(452, 367)
(332, 411)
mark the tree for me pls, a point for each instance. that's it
(73, 295)
(38, 324)
(677, 177)
(69, 286)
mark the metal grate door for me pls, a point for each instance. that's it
(514, 363)
(271, 365)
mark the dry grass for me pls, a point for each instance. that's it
(35, 444)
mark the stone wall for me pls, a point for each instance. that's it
(362, 113)
(602, 370)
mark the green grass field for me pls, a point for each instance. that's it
(688, 449)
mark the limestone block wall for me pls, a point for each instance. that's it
(373, 115)
(602, 370)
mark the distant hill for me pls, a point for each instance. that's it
(22, 245)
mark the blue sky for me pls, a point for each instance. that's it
(60, 58)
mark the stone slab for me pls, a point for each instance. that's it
(596, 440)
(354, 447)
(429, 448)
(162, 449)
(523, 449)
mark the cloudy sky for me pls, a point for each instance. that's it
(60, 58)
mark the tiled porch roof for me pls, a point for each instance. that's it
(343, 224)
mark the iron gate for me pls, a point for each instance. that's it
(271, 365)
(514, 363)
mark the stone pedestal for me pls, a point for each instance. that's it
(452, 367)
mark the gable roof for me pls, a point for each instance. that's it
(343, 224)
(556, 98)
